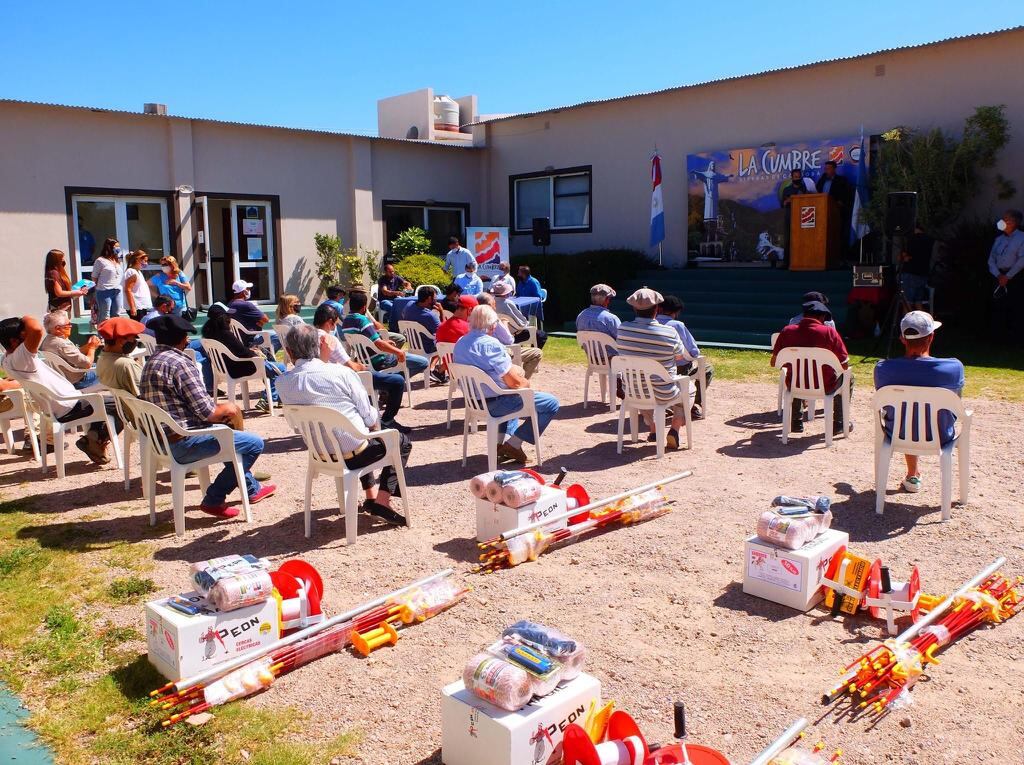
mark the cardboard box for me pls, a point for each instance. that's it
(493, 519)
(475, 732)
(790, 577)
(180, 645)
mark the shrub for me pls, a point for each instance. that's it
(337, 264)
(412, 241)
(423, 269)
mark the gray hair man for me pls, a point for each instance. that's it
(313, 382)
(81, 357)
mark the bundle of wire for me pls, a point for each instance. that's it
(407, 607)
(882, 678)
(511, 548)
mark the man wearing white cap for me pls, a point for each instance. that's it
(919, 368)
(247, 313)
(647, 338)
(596, 317)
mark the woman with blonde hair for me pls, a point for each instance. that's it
(171, 281)
(108, 273)
(136, 291)
(57, 282)
(288, 307)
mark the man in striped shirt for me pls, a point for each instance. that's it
(645, 337)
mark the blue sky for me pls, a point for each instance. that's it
(325, 64)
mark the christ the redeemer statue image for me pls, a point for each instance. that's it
(710, 178)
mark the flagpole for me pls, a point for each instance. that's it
(660, 245)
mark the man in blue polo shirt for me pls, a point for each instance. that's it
(596, 317)
(919, 368)
(426, 312)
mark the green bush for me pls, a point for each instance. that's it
(337, 264)
(412, 241)
(423, 269)
(568, 277)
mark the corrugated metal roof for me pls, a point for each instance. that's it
(595, 102)
(317, 131)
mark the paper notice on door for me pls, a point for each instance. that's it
(254, 247)
(252, 227)
(782, 572)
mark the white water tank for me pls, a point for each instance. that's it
(446, 113)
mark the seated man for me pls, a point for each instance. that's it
(456, 326)
(668, 314)
(58, 342)
(518, 324)
(246, 312)
(336, 299)
(312, 382)
(810, 297)
(643, 336)
(596, 317)
(919, 368)
(116, 368)
(812, 332)
(427, 312)
(162, 306)
(527, 285)
(451, 298)
(172, 381)
(357, 322)
(505, 278)
(530, 356)
(390, 286)
(21, 339)
(481, 350)
(468, 281)
(390, 384)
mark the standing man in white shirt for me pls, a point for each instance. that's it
(457, 258)
(1005, 263)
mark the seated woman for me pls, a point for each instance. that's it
(288, 308)
(218, 327)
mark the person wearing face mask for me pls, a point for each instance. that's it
(247, 313)
(136, 291)
(58, 342)
(289, 308)
(162, 306)
(1005, 262)
(116, 367)
(173, 283)
(108, 273)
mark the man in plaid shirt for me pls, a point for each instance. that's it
(172, 381)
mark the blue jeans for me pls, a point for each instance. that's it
(385, 308)
(274, 368)
(393, 384)
(547, 408)
(90, 379)
(108, 303)
(414, 363)
(248, 445)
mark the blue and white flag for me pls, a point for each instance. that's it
(657, 206)
(858, 228)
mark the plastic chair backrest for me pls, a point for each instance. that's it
(474, 383)
(361, 348)
(595, 345)
(151, 421)
(434, 287)
(240, 332)
(366, 378)
(415, 333)
(317, 426)
(807, 365)
(916, 413)
(215, 352)
(121, 405)
(445, 352)
(57, 364)
(42, 396)
(638, 376)
(149, 341)
(282, 331)
(775, 337)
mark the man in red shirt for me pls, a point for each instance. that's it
(812, 332)
(452, 329)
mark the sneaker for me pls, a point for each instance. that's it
(263, 406)
(797, 426)
(673, 438)
(396, 425)
(219, 511)
(696, 413)
(912, 484)
(439, 377)
(94, 449)
(383, 512)
(652, 438)
(511, 453)
(266, 490)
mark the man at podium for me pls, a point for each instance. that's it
(797, 185)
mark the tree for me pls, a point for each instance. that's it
(941, 168)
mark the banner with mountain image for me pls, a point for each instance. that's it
(735, 196)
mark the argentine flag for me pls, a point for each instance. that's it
(858, 228)
(657, 206)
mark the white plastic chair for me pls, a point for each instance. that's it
(363, 350)
(699, 374)
(219, 355)
(595, 345)
(366, 378)
(245, 335)
(154, 426)
(473, 383)
(807, 383)
(417, 336)
(916, 431)
(63, 368)
(445, 355)
(44, 400)
(375, 302)
(147, 342)
(437, 290)
(317, 425)
(129, 435)
(782, 380)
(21, 410)
(281, 330)
(638, 375)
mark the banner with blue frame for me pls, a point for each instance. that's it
(735, 196)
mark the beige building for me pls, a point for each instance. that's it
(233, 200)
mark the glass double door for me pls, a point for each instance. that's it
(235, 241)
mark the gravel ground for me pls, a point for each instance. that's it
(660, 605)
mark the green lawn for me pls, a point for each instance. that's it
(985, 377)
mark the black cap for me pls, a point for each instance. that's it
(810, 297)
(170, 329)
(816, 306)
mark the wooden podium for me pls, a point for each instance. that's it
(813, 233)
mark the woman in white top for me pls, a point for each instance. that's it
(108, 274)
(288, 308)
(136, 290)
